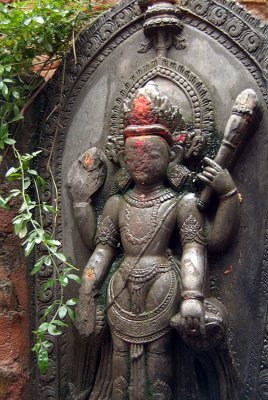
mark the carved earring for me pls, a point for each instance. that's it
(176, 172)
(172, 156)
(177, 175)
(122, 178)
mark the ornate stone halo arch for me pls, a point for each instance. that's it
(190, 84)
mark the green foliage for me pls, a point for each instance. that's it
(31, 230)
(30, 29)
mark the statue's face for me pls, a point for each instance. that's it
(147, 158)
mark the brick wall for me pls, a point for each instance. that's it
(15, 346)
(14, 318)
(257, 7)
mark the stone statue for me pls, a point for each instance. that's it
(148, 273)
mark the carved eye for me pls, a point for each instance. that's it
(154, 156)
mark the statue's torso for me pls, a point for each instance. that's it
(146, 226)
(146, 284)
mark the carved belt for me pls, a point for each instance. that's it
(142, 275)
(147, 326)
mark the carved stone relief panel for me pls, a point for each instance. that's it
(206, 55)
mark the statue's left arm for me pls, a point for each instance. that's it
(198, 236)
(221, 230)
(193, 263)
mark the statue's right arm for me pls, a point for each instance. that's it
(223, 227)
(85, 218)
(86, 177)
(107, 239)
(97, 267)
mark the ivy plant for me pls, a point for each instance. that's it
(32, 29)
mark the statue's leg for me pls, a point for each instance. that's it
(160, 367)
(120, 373)
(159, 353)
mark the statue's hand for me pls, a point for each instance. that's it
(89, 316)
(85, 317)
(217, 178)
(87, 175)
(78, 185)
(193, 316)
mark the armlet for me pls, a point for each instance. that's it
(107, 233)
(191, 231)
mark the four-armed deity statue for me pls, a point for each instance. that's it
(147, 278)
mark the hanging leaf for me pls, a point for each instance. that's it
(29, 247)
(15, 94)
(61, 257)
(71, 314)
(53, 331)
(5, 91)
(27, 21)
(62, 312)
(39, 19)
(42, 359)
(53, 242)
(10, 141)
(11, 171)
(48, 47)
(71, 302)
(16, 118)
(41, 182)
(37, 266)
(43, 327)
(59, 323)
(74, 278)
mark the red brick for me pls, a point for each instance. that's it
(12, 381)
(11, 335)
(8, 299)
(6, 217)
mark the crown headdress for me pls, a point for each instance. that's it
(150, 112)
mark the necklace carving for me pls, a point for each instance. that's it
(145, 221)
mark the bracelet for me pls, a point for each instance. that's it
(228, 194)
(192, 294)
(81, 204)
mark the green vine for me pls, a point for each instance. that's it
(44, 29)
